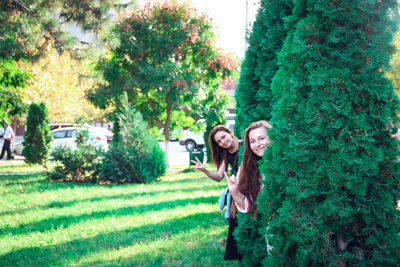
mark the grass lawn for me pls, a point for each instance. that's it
(172, 222)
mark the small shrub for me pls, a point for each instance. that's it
(81, 165)
(135, 157)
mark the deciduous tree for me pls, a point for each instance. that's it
(165, 56)
(28, 27)
(61, 81)
(11, 79)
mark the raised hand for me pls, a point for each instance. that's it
(199, 165)
(233, 182)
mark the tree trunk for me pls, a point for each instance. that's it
(166, 132)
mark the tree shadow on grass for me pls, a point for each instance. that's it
(70, 252)
(66, 221)
(39, 183)
(15, 179)
(131, 195)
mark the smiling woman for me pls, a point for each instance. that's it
(246, 185)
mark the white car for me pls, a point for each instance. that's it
(67, 136)
(192, 140)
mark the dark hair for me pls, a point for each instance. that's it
(249, 180)
(218, 153)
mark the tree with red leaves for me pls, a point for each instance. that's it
(166, 60)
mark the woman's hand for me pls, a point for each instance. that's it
(233, 182)
(199, 165)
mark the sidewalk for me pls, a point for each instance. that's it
(16, 157)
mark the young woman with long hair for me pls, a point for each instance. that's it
(224, 151)
(246, 185)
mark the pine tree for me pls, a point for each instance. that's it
(253, 96)
(37, 137)
(331, 176)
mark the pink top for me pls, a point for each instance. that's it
(246, 201)
(397, 135)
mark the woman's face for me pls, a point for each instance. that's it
(223, 139)
(258, 140)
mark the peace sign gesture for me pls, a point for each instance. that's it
(199, 165)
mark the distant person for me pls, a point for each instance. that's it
(109, 127)
(224, 151)
(8, 137)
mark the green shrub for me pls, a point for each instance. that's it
(37, 137)
(250, 237)
(81, 165)
(135, 157)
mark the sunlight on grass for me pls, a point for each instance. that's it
(166, 250)
(174, 221)
(19, 166)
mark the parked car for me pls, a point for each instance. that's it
(109, 134)
(192, 140)
(173, 136)
(54, 126)
(66, 137)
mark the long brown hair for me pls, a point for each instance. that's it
(249, 180)
(218, 153)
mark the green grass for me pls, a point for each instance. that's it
(19, 166)
(173, 222)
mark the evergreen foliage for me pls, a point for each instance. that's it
(253, 95)
(37, 137)
(32, 25)
(250, 237)
(331, 175)
(135, 156)
(213, 109)
(81, 165)
(254, 102)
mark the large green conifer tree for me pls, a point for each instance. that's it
(254, 102)
(253, 95)
(331, 175)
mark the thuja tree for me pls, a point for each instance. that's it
(331, 177)
(213, 108)
(254, 101)
(253, 95)
(136, 156)
(37, 137)
(165, 58)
